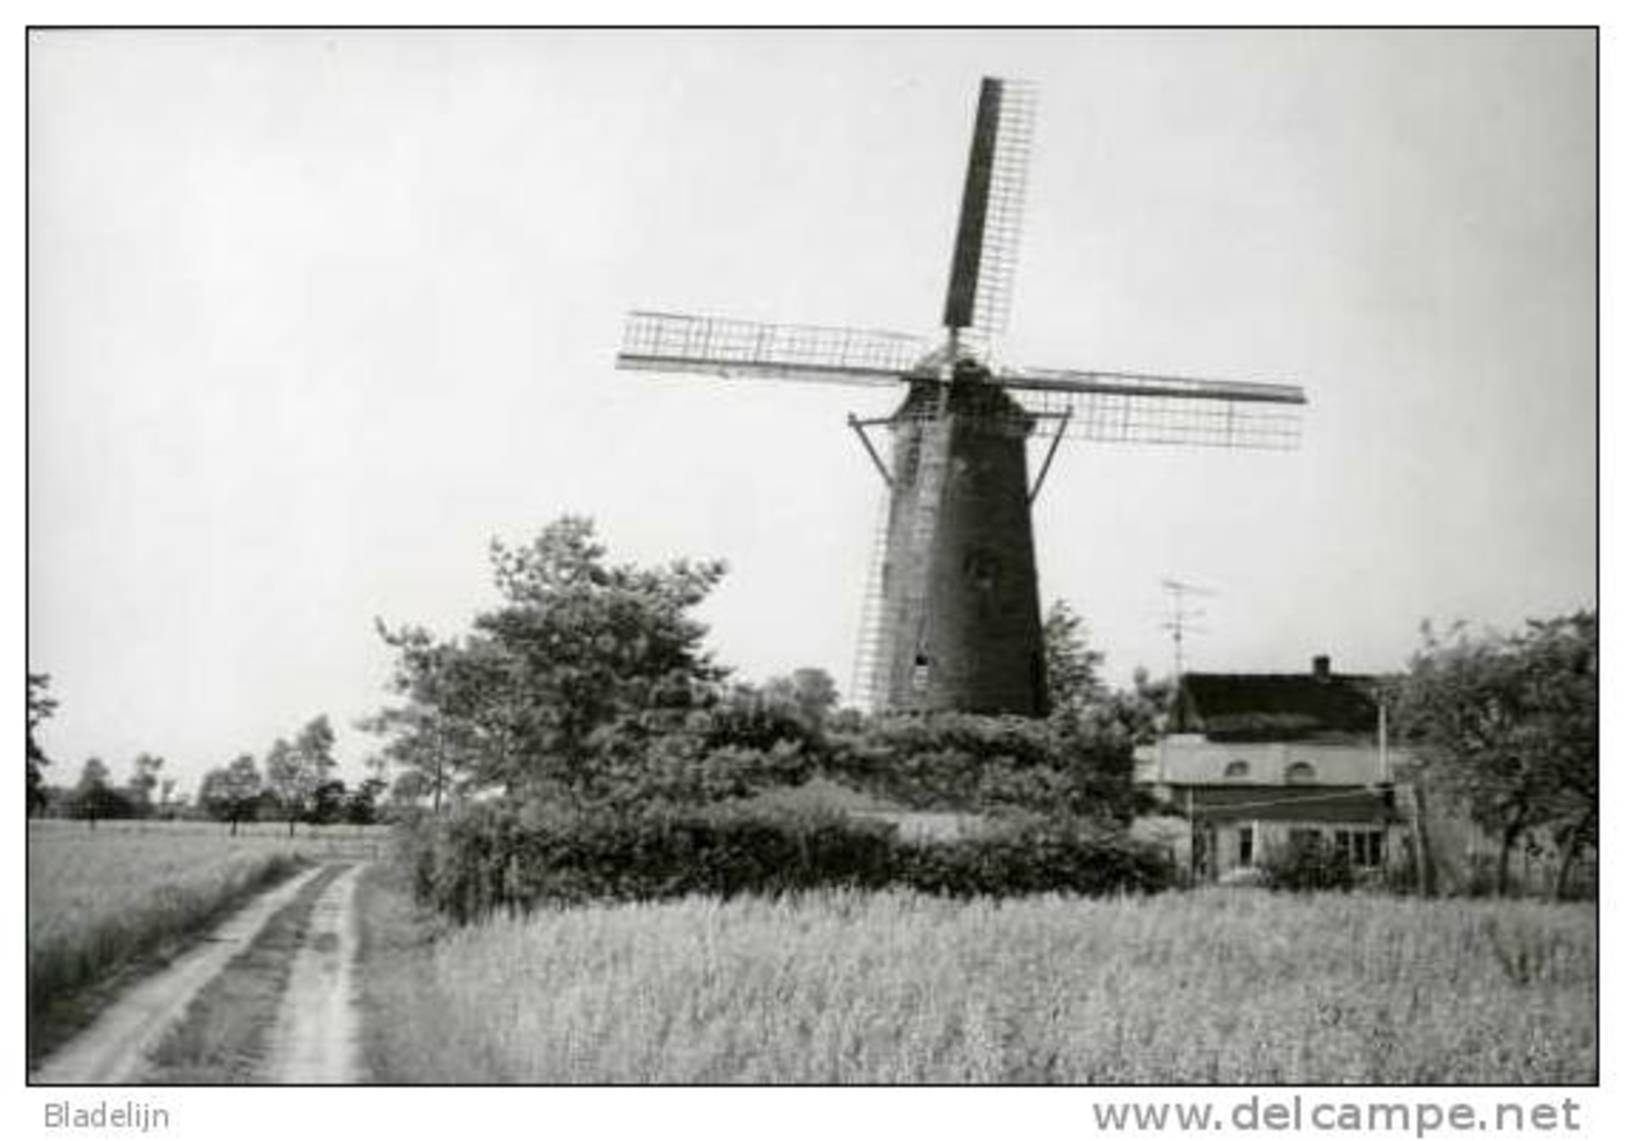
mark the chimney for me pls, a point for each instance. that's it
(1323, 667)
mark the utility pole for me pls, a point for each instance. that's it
(1382, 740)
(1190, 815)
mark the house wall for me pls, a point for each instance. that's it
(1339, 763)
(1276, 835)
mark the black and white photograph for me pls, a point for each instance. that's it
(814, 557)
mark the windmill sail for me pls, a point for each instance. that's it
(673, 342)
(989, 234)
(1143, 408)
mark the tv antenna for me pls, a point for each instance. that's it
(1184, 619)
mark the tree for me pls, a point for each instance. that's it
(315, 747)
(41, 705)
(288, 780)
(1143, 710)
(734, 746)
(1506, 725)
(232, 793)
(1081, 703)
(328, 802)
(1071, 668)
(144, 782)
(93, 774)
(295, 772)
(545, 694)
(361, 806)
(1562, 655)
(809, 691)
(95, 798)
(434, 751)
(408, 792)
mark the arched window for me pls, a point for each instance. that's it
(1300, 772)
(1236, 770)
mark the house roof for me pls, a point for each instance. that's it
(1275, 707)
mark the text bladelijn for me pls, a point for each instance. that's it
(137, 1117)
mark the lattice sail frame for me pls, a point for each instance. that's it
(1006, 203)
(1103, 417)
(987, 238)
(1142, 408)
(721, 346)
(1108, 407)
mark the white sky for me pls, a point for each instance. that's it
(313, 316)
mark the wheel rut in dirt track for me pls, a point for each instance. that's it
(316, 1040)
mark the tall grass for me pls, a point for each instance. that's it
(98, 900)
(1215, 986)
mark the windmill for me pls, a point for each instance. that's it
(954, 618)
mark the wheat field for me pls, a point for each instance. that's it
(1216, 986)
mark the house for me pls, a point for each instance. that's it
(1258, 762)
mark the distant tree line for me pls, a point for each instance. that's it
(96, 795)
(296, 782)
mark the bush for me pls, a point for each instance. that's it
(1306, 866)
(1035, 858)
(968, 763)
(498, 858)
(493, 857)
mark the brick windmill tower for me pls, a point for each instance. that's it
(953, 619)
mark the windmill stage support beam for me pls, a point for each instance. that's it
(863, 437)
(1049, 457)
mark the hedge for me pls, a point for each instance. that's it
(964, 762)
(494, 858)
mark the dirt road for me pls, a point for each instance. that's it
(315, 1041)
(113, 1049)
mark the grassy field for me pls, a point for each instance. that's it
(348, 841)
(102, 900)
(1216, 986)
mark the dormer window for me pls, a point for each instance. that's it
(1300, 772)
(1237, 770)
